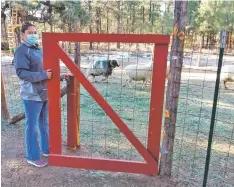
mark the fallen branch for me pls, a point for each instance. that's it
(21, 116)
(16, 118)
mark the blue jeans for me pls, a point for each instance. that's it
(36, 113)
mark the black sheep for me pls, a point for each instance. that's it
(101, 67)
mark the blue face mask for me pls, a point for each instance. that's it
(32, 39)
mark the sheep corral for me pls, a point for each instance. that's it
(101, 138)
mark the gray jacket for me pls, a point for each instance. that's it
(28, 62)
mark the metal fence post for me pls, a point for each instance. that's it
(221, 52)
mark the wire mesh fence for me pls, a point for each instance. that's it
(101, 138)
(12, 87)
(194, 118)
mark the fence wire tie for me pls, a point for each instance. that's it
(172, 58)
(163, 148)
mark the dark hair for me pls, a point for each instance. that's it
(25, 26)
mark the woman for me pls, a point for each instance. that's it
(28, 62)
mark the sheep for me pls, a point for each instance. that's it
(101, 67)
(139, 72)
(227, 74)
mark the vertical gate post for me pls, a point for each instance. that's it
(72, 120)
(157, 98)
(216, 93)
(77, 62)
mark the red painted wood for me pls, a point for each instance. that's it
(125, 38)
(72, 123)
(51, 62)
(157, 98)
(105, 106)
(101, 164)
(53, 85)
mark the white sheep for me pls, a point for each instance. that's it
(227, 74)
(139, 72)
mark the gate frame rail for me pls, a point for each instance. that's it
(53, 52)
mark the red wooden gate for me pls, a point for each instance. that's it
(52, 54)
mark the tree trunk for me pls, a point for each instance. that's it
(210, 40)
(150, 10)
(118, 21)
(173, 89)
(207, 41)
(230, 46)
(17, 37)
(3, 30)
(229, 39)
(107, 20)
(143, 14)
(213, 40)
(44, 26)
(4, 42)
(98, 20)
(107, 29)
(152, 19)
(90, 24)
(133, 18)
(65, 43)
(203, 40)
(51, 27)
(199, 54)
(69, 44)
(127, 26)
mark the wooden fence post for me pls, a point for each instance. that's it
(4, 107)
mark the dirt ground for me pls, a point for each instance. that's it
(17, 173)
(190, 143)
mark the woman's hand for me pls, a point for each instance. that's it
(49, 74)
